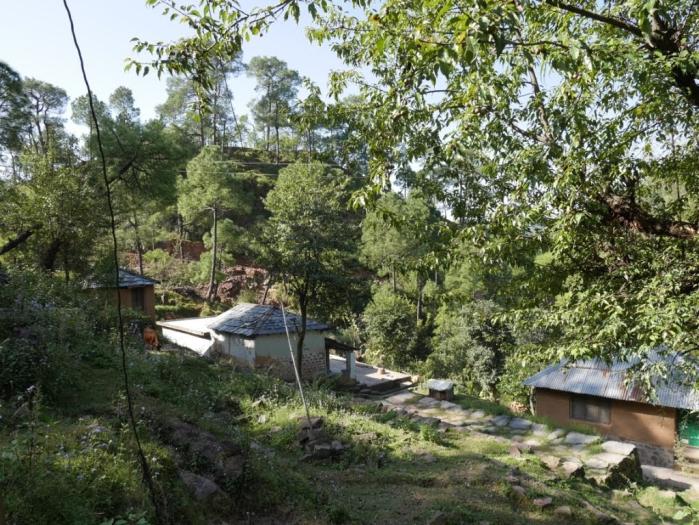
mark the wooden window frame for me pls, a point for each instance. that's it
(599, 402)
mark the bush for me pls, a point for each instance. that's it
(471, 347)
(46, 327)
(391, 329)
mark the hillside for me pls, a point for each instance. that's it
(224, 448)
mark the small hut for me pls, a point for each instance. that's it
(136, 292)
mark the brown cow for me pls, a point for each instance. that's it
(150, 338)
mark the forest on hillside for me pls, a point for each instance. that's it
(507, 185)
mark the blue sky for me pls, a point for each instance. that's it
(35, 40)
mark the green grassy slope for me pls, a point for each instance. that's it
(74, 463)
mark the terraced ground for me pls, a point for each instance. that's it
(73, 462)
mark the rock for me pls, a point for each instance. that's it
(477, 414)
(621, 469)
(519, 491)
(518, 423)
(617, 447)
(233, 467)
(596, 463)
(223, 459)
(542, 503)
(428, 402)
(518, 449)
(400, 399)
(315, 423)
(564, 511)
(600, 516)
(572, 469)
(501, 421)
(576, 438)
(551, 462)
(200, 487)
(428, 458)
(556, 434)
(448, 405)
(539, 430)
(532, 443)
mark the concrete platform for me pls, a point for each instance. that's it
(369, 375)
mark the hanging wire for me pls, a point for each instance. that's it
(147, 477)
(296, 370)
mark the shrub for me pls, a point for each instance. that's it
(391, 329)
(471, 347)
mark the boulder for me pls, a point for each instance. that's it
(221, 458)
(555, 434)
(572, 469)
(600, 517)
(203, 489)
(477, 414)
(618, 447)
(542, 503)
(551, 462)
(518, 449)
(518, 423)
(315, 423)
(400, 399)
(519, 491)
(428, 402)
(564, 511)
(576, 438)
(501, 421)
(539, 430)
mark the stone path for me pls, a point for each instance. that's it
(670, 478)
(568, 454)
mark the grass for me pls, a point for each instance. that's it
(74, 463)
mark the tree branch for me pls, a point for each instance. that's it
(630, 215)
(609, 20)
(17, 241)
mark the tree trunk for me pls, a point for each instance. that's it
(139, 246)
(214, 247)
(420, 289)
(303, 306)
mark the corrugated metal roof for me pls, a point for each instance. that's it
(597, 378)
(250, 320)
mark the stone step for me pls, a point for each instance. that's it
(670, 478)
(691, 454)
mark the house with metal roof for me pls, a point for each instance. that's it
(136, 291)
(254, 336)
(606, 396)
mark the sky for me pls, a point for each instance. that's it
(35, 40)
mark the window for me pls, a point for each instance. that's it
(592, 409)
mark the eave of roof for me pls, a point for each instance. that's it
(597, 378)
(253, 320)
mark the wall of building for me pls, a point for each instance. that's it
(199, 344)
(639, 422)
(241, 350)
(271, 352)
(148, 299)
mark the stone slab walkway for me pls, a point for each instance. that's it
(607, 463)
